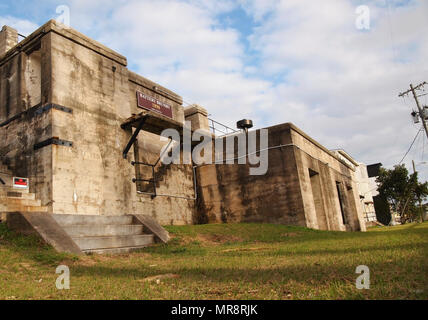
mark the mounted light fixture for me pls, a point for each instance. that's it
(244, 125)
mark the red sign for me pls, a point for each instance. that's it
(149, 103)
(20, 183)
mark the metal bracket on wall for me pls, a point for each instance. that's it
(50, 106)
(134, 136)
(54, 141)
(36, 111)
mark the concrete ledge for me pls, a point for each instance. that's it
(153, 226)
(153, 86)
(44, 226)
(69, 33)
(195, 109)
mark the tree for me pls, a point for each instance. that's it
(403, 192)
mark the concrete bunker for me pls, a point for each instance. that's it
(85, 130)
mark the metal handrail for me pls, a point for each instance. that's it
(225, 129)
(153, 166)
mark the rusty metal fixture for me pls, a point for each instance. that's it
(244, 125)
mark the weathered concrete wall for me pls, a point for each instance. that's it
(57, 65)
(198, 116)
(92, 177)
(22, 126)
(338, 172)
(10, 90)
(228, 193)
(8, 39)
(298, 189)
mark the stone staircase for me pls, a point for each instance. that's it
(105, 234)
(12, 199)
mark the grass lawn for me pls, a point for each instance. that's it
(236, 261)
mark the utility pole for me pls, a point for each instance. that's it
(421, 111)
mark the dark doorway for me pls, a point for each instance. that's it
(318, 200)
(340, 195)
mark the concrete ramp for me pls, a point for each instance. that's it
(153, 227)
(44, 226)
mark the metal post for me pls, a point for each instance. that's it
(421, 111)
(134, 137)
(154, 183)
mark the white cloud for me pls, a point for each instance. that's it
(345, 82)
(23, 26)
(314, 68)
(184, 47)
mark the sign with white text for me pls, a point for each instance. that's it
(20, 183)
(149, 103)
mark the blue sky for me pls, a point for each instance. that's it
(273, 61)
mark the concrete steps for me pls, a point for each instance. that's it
(105, 234)
(74, 219)
(16, 199)
(103, 230)
(94, 243)
(11, 201)
(21, 208)
(16, 194)
(112, 251)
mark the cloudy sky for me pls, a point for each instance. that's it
(317, 64)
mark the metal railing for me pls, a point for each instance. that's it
(220, 129)
(152, 181)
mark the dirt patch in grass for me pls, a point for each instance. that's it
(160, 277)
(208, 239)
(290, 235)
(213, 239)
(244, 249)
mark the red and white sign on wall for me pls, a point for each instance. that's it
(21, 183)
(149, 103)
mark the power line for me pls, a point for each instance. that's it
(418, 146)
(410, 148)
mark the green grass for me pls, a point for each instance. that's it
(233, 261)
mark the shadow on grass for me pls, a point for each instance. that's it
(313, 243)
(309, 276)
(270, 233)
(31, 247)
(343, 251)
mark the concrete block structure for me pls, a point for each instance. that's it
(63, 99)
(366, 184)
(305, 185)
(69, 108)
